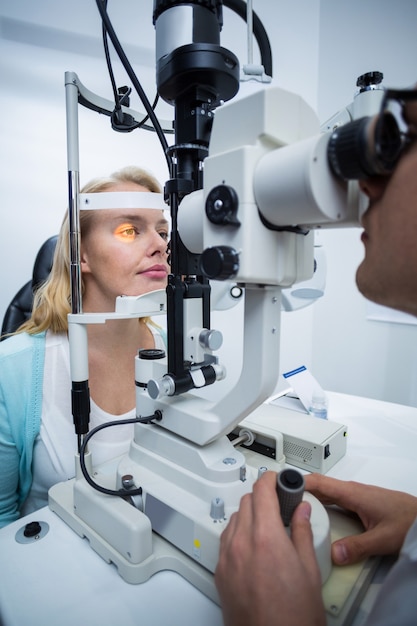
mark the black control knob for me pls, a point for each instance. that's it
(220, 262)
(370, 78)
(32, 529)
(221, 206)
(151, 354)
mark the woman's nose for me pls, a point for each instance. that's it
(158, 243)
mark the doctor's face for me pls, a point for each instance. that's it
(388, 273)
(123, 252)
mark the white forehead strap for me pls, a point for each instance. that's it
(122, 200)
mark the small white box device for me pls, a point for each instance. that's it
(308, 442)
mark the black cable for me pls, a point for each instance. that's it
(119, 121)
(145, 119)
(108, 61)
(111, 492)
(260, 34)
(129, 70)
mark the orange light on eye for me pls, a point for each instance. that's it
(126, 232)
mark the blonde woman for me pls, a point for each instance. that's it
(122, 251)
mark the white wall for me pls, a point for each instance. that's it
(319, 48)
(350, 353)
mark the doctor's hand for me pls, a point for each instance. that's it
(263, 576)
(386, 516)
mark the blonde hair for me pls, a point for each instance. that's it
(51, 303)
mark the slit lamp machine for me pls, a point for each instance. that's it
(251, 178)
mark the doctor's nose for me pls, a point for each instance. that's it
(374, 187)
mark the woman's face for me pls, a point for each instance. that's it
(124, 252)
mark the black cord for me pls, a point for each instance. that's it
(145, 119)
(121, 122)
(108, 61)
(138, 87)
(111, 492)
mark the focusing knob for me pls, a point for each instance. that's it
(221, 206)
(217, 509)
(151, 354)
(32, 529)
(368, 79)
(220, 262)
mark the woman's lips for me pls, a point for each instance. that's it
(156, 271)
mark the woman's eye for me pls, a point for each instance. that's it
(164, 235)
(126, 231)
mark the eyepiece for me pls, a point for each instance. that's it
(368, 146)
(347, 150)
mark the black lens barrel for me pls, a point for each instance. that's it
(347, 150)
(363, 148)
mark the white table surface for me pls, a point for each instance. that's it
(59, 579)
(382, 439)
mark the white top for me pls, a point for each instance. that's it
(56, 444)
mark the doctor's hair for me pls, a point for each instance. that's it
(52, 299)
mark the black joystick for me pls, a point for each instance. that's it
(290, 489)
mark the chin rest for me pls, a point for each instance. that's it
(20, 308)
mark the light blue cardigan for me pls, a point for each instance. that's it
(22, 359)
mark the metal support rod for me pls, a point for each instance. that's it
(71, 98)
(249, 22)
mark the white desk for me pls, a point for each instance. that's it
(381, 442)
(60, 579)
